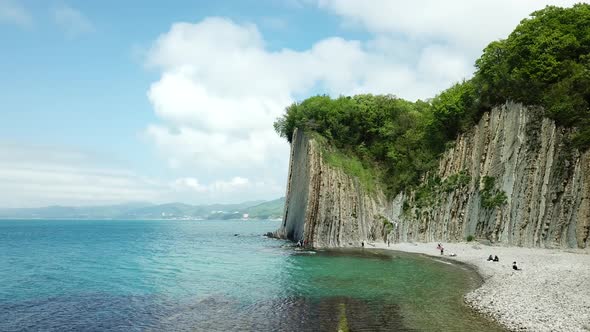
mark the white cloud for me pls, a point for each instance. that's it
(13, 13)
(464, 25)
(443, 64)
(237, 189)
(34, 176)
(38, 176)
(72, 21)
(221, 89)
(192, 184)
(237, 183)
(461, 22)
(437, 41)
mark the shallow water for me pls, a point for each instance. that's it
(216, 276)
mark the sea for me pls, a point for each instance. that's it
(217, 275)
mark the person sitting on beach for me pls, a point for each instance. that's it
(514, 266)
(496, 259)
(490, 258)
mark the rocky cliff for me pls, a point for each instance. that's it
(324, 206)
(512, 179)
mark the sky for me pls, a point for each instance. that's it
(108, 102)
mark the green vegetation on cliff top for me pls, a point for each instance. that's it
(544, 62)
(350, 164)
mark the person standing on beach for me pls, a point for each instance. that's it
(442, 250)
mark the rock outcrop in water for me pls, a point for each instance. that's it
(512, 179)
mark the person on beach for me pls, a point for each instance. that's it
(514, 266)
(363, 244)
(442, 250)
(496, 259)
(490, 258)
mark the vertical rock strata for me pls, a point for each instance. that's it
(545, 181)
(324, 206)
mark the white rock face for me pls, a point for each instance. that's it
(546, 182)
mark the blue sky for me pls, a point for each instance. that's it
(88, 90)
(115, 101)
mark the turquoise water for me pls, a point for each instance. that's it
(216, 276)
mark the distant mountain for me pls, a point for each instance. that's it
(185, 211)
(254, 210)
(72, 212)
(267, 210)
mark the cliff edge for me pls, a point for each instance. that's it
(324, 206)
(512, 179)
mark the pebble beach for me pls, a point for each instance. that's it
(549, 292)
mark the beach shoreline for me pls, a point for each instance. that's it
(549, 292)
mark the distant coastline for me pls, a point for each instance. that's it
(254, 210)
(142, 219)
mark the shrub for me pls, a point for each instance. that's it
(490, 196)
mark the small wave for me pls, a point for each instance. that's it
(305, 252)
(444, 262)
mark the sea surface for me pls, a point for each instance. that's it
(117, 275)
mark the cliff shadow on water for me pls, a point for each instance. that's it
(513, 178)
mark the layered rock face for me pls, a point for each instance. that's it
(512, 179)
(324, 206)
(526, 158)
